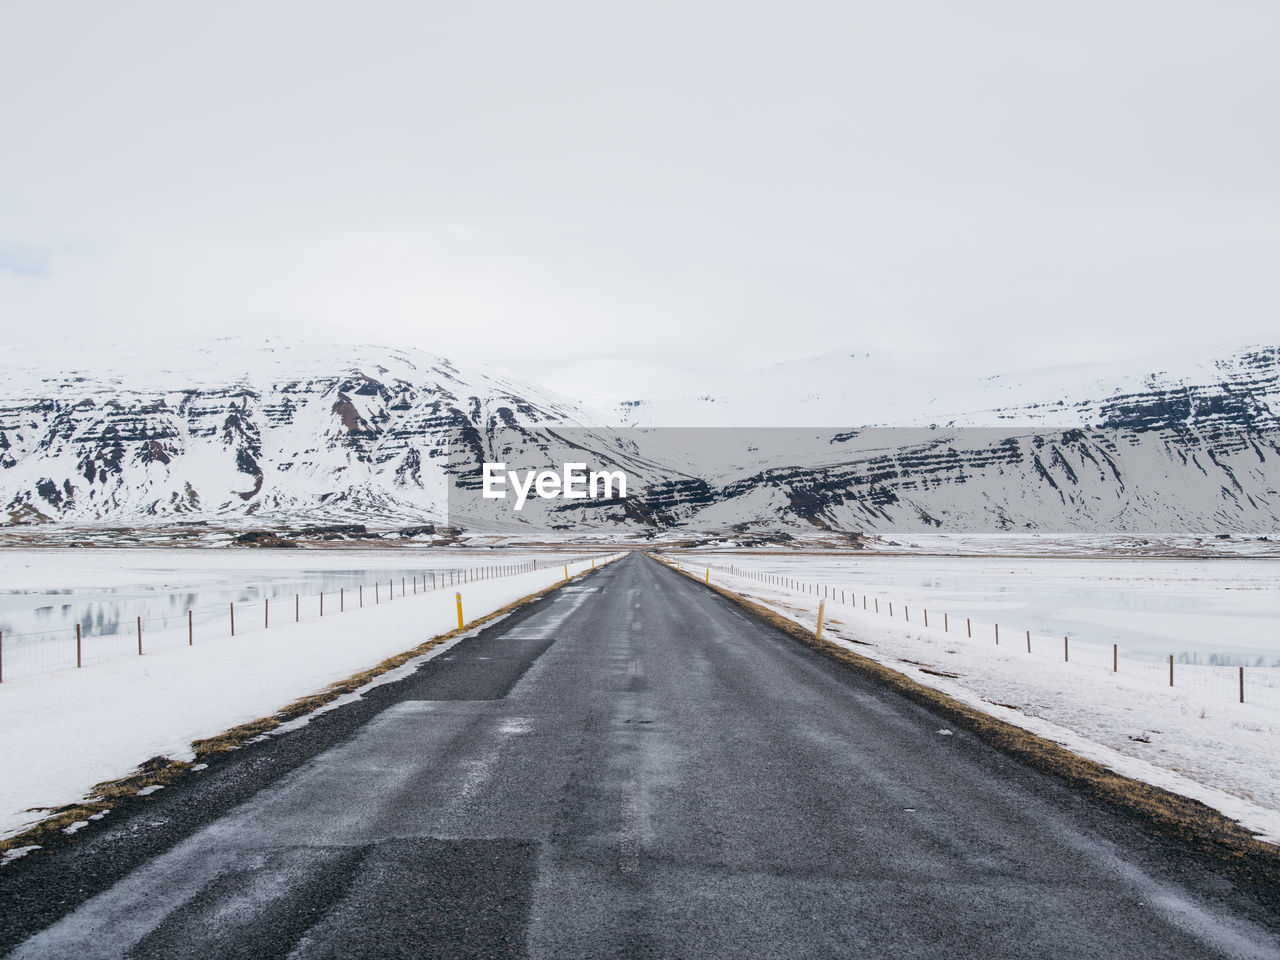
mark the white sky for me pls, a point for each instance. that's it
(718, 185)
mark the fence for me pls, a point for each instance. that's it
(88, 642)
(1258, 685)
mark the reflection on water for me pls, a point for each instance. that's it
(111, 610)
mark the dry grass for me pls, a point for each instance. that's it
(1167, 814)
(161, 771)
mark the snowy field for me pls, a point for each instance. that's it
(62, 732)
(1195, 738)
(1201, 611)
(183, 595)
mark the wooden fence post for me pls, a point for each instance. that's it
(139, 636)
(233, 618)
(1171, 669)
(78, 660)
(191, 630)
(1241, 681)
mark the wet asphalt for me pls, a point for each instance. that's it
(630, 767)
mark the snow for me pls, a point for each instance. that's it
(845, 389)
(61, 733)
(48, 592)
(1219, 610)
(1194, 739)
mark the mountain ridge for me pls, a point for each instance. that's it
(246, 432)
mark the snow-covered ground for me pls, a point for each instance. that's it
(1194, 738)
(63, 732)
(1201, 611)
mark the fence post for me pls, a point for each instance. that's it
(997, 634)
(78, 661)
(139, 636)
(297, 608)
(1171, 669)
(322, 603)
(266, 613)
(402, 586)
(1241, 678)
(233, 618)
(361, 594)
(822, 615)
(1115, 658)
(377, 593)
(1066, 651)
(946, 622)
(926, 616)
(1028, 641)
(906, 612)
(969, 626)
(191, 630)
(2, 659)
(877, 604)
(342, 602)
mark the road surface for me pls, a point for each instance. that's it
(631, 767)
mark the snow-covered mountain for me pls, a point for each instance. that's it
(267, 433)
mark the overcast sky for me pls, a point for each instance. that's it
(715, 184)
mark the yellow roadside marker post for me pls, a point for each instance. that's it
(822, 615)
(459, 598)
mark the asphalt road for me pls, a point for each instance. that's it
(631, 767)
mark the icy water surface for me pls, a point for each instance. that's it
(105, 591)
(1201, 611)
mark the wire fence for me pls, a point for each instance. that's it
(1258, 685)
(95, 639)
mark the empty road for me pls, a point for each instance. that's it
(630, 767)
